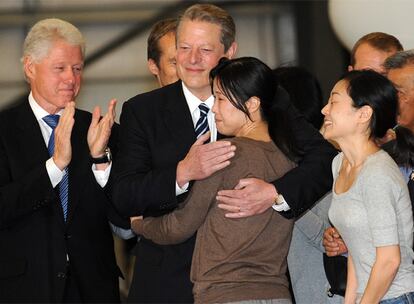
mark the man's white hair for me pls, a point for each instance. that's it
(44, 33)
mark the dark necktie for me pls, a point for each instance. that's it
(52, 121)
(202, 123)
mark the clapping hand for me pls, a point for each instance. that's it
(100, 129)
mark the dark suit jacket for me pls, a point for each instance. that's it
(156, 133)
(34, 239)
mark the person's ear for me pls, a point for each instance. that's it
(231, 52)
(28, 67)
(365, 113)
(253, 104)
(152, 67)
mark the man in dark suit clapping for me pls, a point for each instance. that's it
(55, 240)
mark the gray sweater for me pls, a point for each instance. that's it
(374, 212)
(234, 259)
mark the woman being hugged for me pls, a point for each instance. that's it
(237, 259)
(370, 206)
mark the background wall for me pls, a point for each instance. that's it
(277, 32)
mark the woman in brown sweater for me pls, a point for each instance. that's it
(237, 259)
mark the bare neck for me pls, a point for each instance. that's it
(257, 130)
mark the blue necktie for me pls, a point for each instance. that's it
(52, 121)
(202, 123)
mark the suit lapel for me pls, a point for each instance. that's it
(177, 116)
(32, 148)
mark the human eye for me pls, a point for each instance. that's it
(184, 47)
(58, 68)
(331, 100)
(77, 69)
(219, 97)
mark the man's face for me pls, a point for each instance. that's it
(165, 71)
(403, 80)
(369, 58)
(198, 51)
(56, 79)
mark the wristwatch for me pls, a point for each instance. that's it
(106, 158)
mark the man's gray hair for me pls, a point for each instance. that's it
(44, 33)
(399, 60)
(212, 14)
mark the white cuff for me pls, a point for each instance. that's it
(55, 174)
(179, 190)
(281, 204)
(102, 176)
(123, 233)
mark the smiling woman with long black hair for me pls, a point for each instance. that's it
(371, 207)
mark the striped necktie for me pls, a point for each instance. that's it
(52, 121)
(202, 123)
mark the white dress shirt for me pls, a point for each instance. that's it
(55, 174)
(193, 102)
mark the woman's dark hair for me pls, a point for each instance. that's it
(402, 149)
(304, 91)
(245, 77)
(376, 91)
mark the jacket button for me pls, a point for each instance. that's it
(61, 275)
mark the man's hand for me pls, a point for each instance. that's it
(62, 154)
(333, 243)
(136, 222)
(390, 135)
(100, 129)
(203, 160)
(251, 196)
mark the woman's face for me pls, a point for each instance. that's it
(229, 120)
(340, 115)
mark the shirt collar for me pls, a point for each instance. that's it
(193, 101)
(38, 111)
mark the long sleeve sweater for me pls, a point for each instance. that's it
(234, 259)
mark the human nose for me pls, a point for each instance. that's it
(69, 76)
(324, 110)
(214, 107)
(194, 56)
